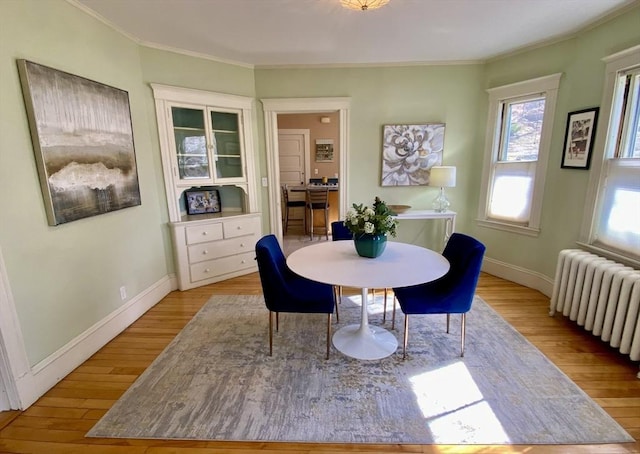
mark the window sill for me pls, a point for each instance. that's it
(611, 255)
(513, 228)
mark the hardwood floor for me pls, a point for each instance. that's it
(57, 422)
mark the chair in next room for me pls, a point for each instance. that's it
(318, 199)
(287, 208)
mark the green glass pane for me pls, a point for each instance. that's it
(227, 143)
(230, 167)
(224, 121)
(187, 118)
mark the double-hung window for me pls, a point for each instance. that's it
(612, 213)
(516, 153)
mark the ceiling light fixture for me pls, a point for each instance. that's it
(363, 5)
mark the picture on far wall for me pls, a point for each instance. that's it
(409, 152)
(83, 143)
(579, 138)
(324, 150)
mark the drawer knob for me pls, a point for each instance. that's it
(204, 233)
(242, 261)
(241, 244)
(239, 228)
(205, 252)
(206, 270)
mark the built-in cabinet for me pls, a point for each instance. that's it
(206, 140)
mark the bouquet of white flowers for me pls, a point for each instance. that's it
(376, 220)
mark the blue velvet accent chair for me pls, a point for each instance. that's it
(340, 232)
(285, 291)
(451, 294)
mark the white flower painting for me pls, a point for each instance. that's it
(409, 152)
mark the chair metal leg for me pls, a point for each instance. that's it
(393, 316)
(462, 333)
(328, 334)
(326, 224)
(311, 224)
(406, 335)
(286, 219)
(335, 302)
(270, 333)
(448, 319)
(384, 308)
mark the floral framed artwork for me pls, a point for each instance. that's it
(579, 138)
(409, 152)
(83, 143)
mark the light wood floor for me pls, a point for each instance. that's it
(57, 422)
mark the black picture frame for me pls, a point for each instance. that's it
(579, 137)
(202, 201)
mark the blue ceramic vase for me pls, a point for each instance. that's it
(368, 245)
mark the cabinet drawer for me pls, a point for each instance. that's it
(203, 233)
(212, 268)
(239, 227)
(207, 251)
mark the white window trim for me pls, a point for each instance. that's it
(549, 86)
(614, 63)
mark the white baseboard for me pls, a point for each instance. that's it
(44, 375)
(522, 276)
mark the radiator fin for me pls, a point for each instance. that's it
(602, 296)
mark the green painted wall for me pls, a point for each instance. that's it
(580, 61)
(398, 95)
(64, 279)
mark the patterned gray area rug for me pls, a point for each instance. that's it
(215, 381)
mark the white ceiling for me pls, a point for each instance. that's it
(263, 33)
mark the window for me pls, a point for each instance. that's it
(613, 221)
(516, 152)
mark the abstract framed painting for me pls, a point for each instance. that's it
(409, 152)
(83, 143)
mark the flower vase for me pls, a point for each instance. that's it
(369, 245)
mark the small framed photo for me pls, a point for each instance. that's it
(200, 201)
(579, 138)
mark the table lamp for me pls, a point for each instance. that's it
(444, 177)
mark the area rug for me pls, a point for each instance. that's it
(215, 381)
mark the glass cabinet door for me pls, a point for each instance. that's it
(227, 147)
(191, 145)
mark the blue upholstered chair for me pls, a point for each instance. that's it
(451, 294)
(285, 291)
(340, 232)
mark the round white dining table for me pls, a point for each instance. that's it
(338, 263)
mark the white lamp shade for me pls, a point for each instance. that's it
(443, 176)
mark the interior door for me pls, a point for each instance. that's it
(292, 156)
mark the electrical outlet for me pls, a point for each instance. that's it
(315, 171)
(123, 293)
(265, 182)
